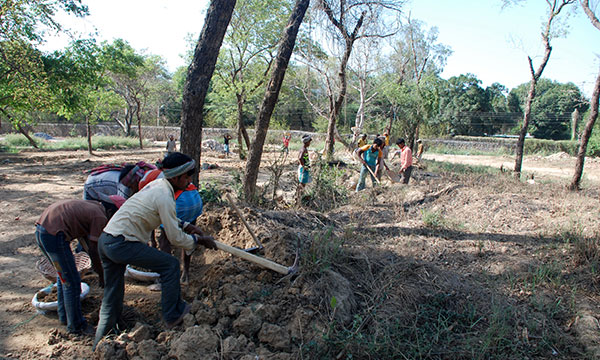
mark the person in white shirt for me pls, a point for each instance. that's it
(125, 237)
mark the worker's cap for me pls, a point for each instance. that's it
(419, 140)
(306, 138)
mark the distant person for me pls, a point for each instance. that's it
(420, 149)
(386, 144)
(405, 160)
(226, 139)
(286, 142)
(171, 144)
(371, 158)
(362, 141)
(59, 224)
(303, 167)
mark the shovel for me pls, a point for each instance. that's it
(239, 213)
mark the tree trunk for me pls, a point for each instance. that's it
(18, 126)
(89, 134)
(25, 133)
(575, 117)
(241, 127)
(334, 112)
(555, 9)
(284, 53)
(139, 121)
(585, 136)
(198, 78)
(523, 132)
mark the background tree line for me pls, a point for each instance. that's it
(358, 66)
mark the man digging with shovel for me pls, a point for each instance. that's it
(124, 241)
(371, 157)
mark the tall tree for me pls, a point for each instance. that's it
(364, 65)
(411, 86)
(199, 74)
(75, 77)
(349, 21)
(286, 47)
(129, 73)
(23, 80)
(554, 9)
(593, 115)
(247, 53)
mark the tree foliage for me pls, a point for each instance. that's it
(552, 107)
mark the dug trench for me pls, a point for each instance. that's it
(452, 267)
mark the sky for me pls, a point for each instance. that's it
(490, 42)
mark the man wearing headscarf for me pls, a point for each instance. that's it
(124, 241)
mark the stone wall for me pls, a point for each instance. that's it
(157, 133)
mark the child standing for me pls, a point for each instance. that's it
(303, 167)
(286, 142)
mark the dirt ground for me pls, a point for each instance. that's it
(479, 242)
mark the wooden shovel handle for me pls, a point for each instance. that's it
(271, 265)
(239, 213)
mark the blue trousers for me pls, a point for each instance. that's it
(363, 177)
(116, 253)
(68, 282)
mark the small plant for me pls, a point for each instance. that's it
(571, 234)
(323, 252)
(544, 274)
(328, 191)
(210, 193)
(433, 218)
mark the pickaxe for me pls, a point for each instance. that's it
(261, 261)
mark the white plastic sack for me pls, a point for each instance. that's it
(53, 305)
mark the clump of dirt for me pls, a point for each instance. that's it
(51, 296)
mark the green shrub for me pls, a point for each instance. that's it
(19, 141)
(210, 193)
(15, 141)
(433, 218)
(547, 147)
(328, 191)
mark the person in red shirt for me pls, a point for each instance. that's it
(60, 223)
(405, 160)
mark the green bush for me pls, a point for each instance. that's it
(547, 147)
(328, 190)
(210, 193)
(593, 148)
(19, 141)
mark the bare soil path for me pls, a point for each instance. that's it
(503, 249)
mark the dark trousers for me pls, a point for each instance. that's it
(406, 174)
(68, 282)
(116, 253)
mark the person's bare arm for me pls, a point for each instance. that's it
(358, 154)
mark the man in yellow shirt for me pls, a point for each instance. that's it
(362, 141)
